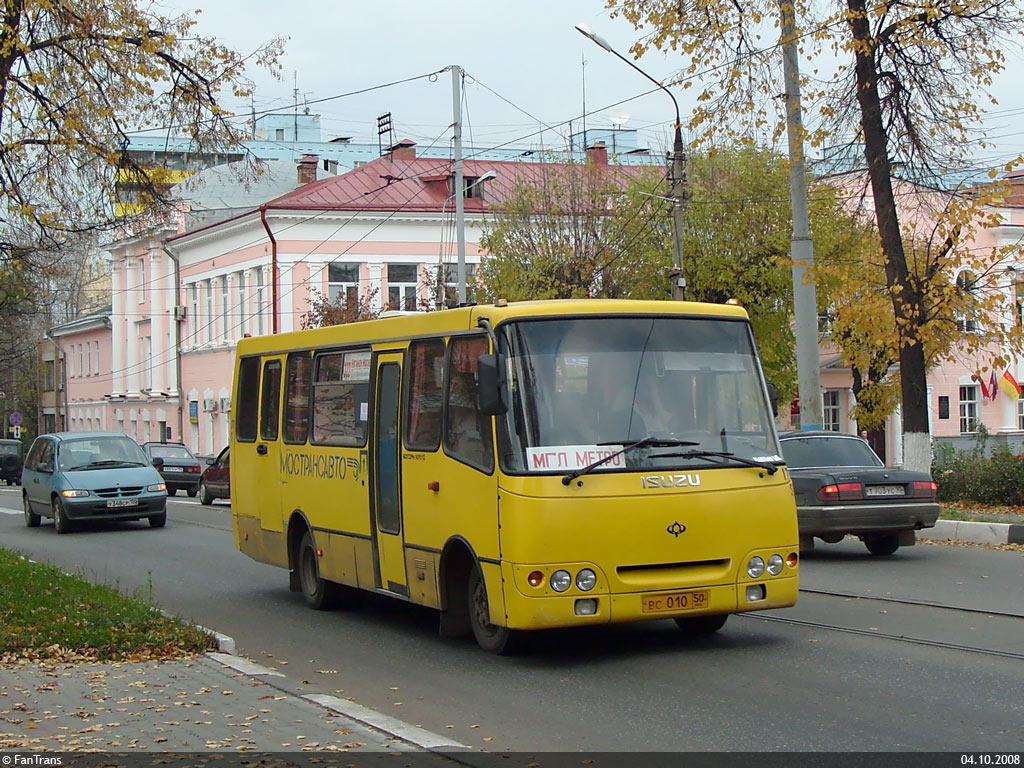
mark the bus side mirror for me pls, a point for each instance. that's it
(491, 384)
(773, 398)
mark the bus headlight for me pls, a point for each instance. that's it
(560, 581)
(755, 567)
(775, 565)
(586, 579)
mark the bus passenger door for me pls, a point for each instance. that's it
(267, 481)
(388, 532)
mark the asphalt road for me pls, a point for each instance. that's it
(857, 665)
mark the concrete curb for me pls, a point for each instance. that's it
(976, 533)
(394, 727)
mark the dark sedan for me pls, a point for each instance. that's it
(176, 465)
(216, 480)
(842, 488)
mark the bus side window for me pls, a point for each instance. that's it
(467, 432)
(340, 398)
(296, 403)
(423, 395)
(270, 401)
(247, 399)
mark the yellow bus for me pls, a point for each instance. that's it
(519, 466)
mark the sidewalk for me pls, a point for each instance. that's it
(212, 703)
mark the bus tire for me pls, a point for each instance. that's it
(490, 637)
(320, 594)
(701, 626)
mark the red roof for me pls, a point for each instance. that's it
(415, 185)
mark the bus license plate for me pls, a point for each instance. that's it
(123, 503)
(675, 601)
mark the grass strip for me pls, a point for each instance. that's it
(48, 614)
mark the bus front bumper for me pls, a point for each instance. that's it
(581, 609)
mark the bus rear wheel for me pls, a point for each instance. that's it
(701, 626)
(320, 594)
(490, 637)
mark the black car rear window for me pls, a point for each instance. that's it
(170, 452)
(828, 452)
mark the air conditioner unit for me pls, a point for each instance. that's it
(180, 312)
(225, 404)
(209, 404)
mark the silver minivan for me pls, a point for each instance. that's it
(78, 477)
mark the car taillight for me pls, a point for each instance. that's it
(841, 491)
(194, 469)
(925, 488)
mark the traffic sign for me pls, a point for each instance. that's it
(15, 419)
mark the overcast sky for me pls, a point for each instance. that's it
(525, 65)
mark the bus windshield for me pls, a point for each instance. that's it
(583, 388)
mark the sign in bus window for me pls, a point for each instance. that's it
(467, 434)
(424, 393)
(340, 398)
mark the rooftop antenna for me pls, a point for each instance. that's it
(619, 118)
(295, 116)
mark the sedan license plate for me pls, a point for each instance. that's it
(174, 469)
(675, 601)
(884, 490)
(123, 503)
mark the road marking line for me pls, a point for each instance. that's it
(402, 730)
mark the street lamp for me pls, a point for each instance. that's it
(678, 193)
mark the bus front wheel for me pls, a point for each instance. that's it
(700, 626)
(490, 637)
(320, 594)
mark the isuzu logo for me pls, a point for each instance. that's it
(676, 528)
(670, 481)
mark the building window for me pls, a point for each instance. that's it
(402, 286)
(81, 356)
(968, 409)
(451, 283)
(343, 280)
(830, 410)
(943, 406)
(242, 309)
(193, 319)
(142, 280)
(88, 358)
(258, 274)
(96, 358)
(341, 393)
(48, 378)
(1020, 413)
(967, 282)
(225, 309)
(209, 311)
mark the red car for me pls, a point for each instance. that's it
(215, 482)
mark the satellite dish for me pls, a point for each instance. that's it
(619, 117)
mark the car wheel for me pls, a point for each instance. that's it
(172, 491)
(10, 482)
(61, 522)
(159, 520)
(320, 594)
(490, 637)
(700, 626)
(882, 544)
(191, 492)
(31, 518)
(205, 497)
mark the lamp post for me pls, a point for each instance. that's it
(678, 189)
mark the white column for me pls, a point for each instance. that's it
(117, 325)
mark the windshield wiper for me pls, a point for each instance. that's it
(659, 442)
(770, 468)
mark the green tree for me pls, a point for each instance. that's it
(579, 230)
(908, 80)
(75, 78)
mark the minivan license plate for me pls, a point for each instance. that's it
(123, 503)
(675, 601)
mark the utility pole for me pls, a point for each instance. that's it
(457, 183)
(805, 305)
